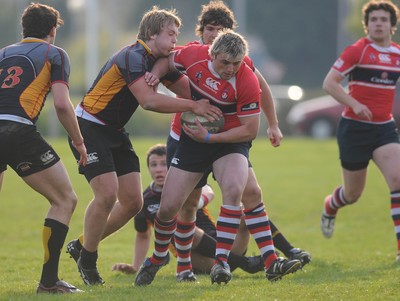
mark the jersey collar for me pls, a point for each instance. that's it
(141, 42)
(32, 40)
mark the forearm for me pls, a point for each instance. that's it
(242, 133)
(165, 104)
(142, 245)
(268, 108)
(181, 87)
(267, 101)
(333, 87)
(66, 113)
(67, 118)
(161, 67)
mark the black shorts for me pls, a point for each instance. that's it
(358, 140)
(108, 150)
(24, 149)
(172, 145)
(198, 157)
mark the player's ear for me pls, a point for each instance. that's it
(150, 35)
(52, 32)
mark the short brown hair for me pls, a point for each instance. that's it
(215, 13)
(39, 19)
(158, 149)
(380, 5)
(155, 20)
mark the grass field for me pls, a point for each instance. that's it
(357, 263)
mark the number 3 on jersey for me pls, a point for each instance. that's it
(12, 79)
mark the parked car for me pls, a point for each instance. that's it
(318, 117)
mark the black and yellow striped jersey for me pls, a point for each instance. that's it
(109, 101)
(27, 71)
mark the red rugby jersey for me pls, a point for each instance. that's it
(372, 71)
(243, 88)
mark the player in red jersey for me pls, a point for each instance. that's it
(367, 130)
(214, 17)
(28, 71)
(218, 73)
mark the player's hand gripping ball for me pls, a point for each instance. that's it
(189, 118)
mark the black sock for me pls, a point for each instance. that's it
(88, 259)
(78, 244)
(54, 234)
(206, 246)
(280, 242)
(237, 261)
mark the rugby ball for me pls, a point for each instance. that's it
(189, 118)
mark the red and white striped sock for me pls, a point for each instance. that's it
(258, 224)
(184, 235)
(163, 232)
(335, 202)
(227, 227)
(395, 211)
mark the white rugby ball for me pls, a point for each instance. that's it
(189, 118)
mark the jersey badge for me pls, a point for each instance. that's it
(225, 94)
(212, 83)
(384, 58)
(372, 57)
(198, 76)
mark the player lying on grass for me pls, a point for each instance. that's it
(204, 243)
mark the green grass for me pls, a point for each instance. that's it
(357, 263)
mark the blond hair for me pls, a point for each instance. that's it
(155, 20)
(230, 43)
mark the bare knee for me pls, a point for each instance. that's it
(71, 203)
(105, 200)
(167, 212)
(131, 203)
(74, 201)
(232, 195)
(134, 207)
(66, 202)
